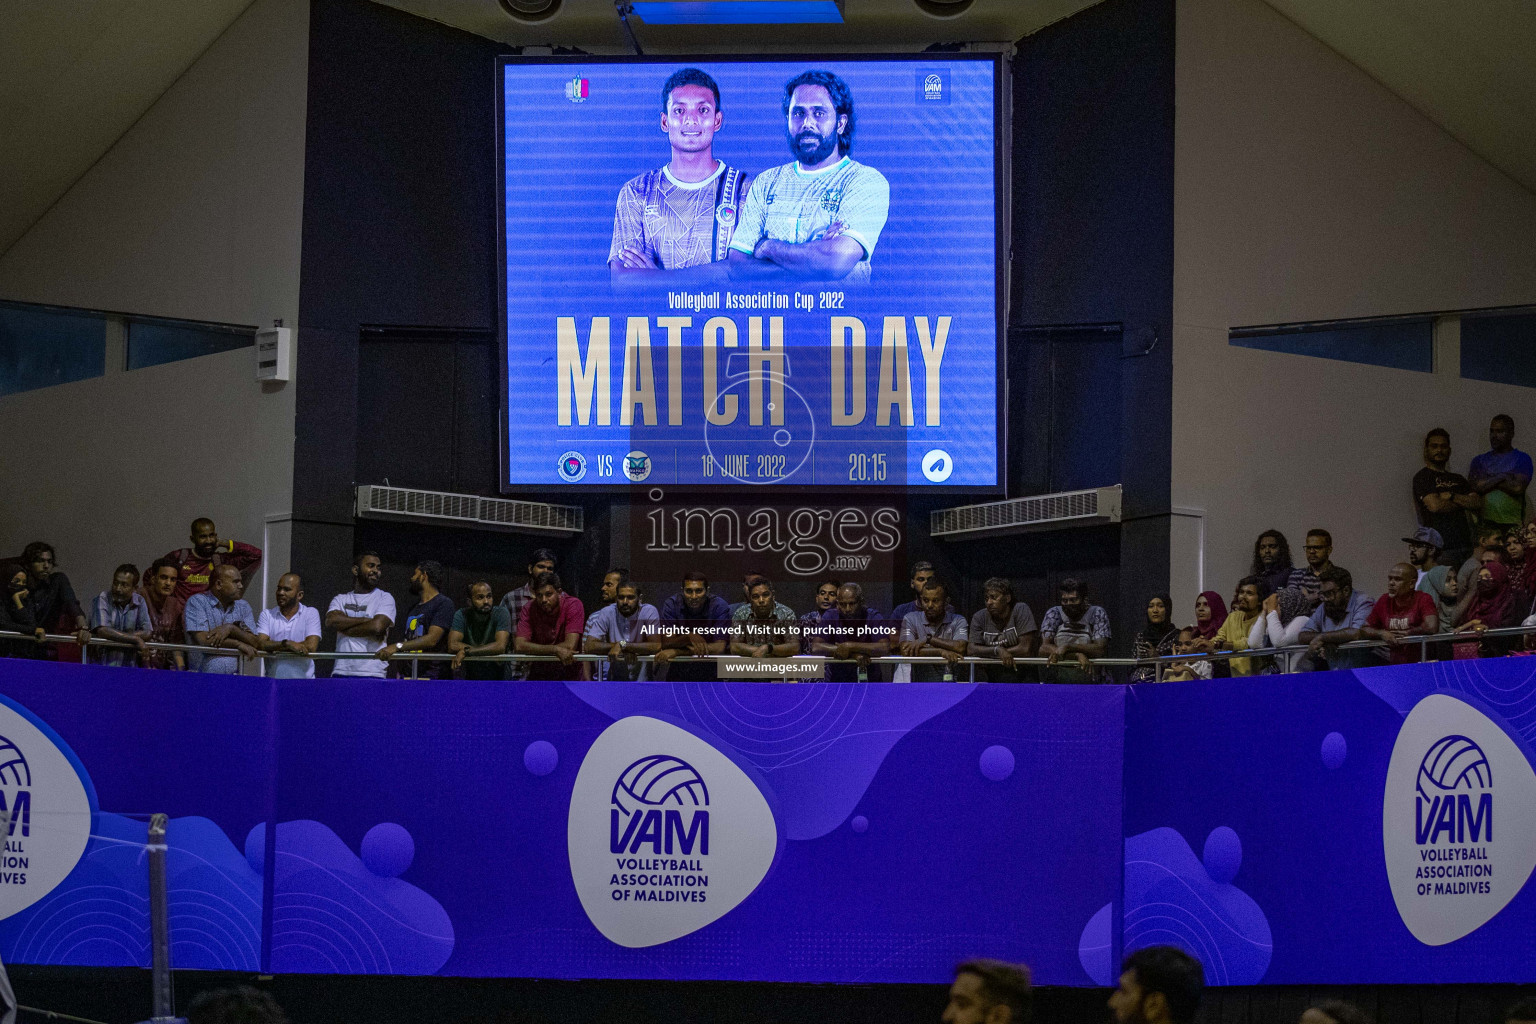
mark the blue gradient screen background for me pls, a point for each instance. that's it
(565, 160)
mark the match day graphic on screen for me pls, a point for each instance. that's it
(752, 272)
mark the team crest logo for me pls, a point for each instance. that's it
(637, 466)
(1458, 820)
(572, 467)
(726, 215)
(577, 90)
(832, 199)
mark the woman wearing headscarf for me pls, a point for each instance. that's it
(1284, 616)
(1156, 639)
(1210, 615)
(15, 613)
(1492, 607)
(1451, 603)
(1520, 561)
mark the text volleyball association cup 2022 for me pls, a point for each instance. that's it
(795, 282)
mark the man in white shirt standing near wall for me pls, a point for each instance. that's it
(361, 619)
(291, 627)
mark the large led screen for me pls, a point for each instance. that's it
(752, 272)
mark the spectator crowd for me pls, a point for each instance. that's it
(1469, 567)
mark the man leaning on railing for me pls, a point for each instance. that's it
(219, 618)
(120, 613)
(292, 627)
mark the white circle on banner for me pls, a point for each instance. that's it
(47, 813)
(1453, 773)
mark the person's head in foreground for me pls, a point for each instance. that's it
(1523, 1012)
(988, 992)
(240, 1005)
(1158, 985)
(1334, 1011)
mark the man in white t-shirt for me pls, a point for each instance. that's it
(291, 627)
(819, 216)
(361, 619)
(614, 630)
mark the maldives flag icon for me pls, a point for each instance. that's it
(576, 90)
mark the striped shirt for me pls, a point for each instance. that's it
(132, 617)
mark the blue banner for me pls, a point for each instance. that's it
(134, 742)
(1370, 826)
(1350, 827)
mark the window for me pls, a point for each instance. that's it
(152, 342)
(41, 346)
(1402, 344)
(1501, 349)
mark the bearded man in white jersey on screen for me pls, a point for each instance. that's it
(676, 222)
(819, 216)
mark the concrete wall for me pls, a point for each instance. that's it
(195, 213)
(1304, 190)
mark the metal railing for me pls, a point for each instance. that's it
(1422, 642)
(1159, 664)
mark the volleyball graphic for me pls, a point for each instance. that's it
(1452, 763)
(696, 850)
(14, 770)
(657, 780)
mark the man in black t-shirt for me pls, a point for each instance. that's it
(1443, 499)
(427, 624)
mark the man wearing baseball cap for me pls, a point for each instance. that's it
(1424, 549)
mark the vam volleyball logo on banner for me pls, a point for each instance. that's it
(45, 809)
(666, 834)
(1458, 820)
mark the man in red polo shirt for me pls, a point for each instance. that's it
(207, 551)
(552, 623)
(1401, 612)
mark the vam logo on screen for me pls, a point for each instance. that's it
(666, 834)
(1458, 820)
(45, 813)
(933, 85)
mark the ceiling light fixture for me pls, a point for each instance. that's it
(531, 11)
(943, 8)
(739, 12)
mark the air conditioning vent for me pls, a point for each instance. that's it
(374, 502)
(1040, 512)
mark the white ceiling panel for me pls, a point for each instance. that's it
(1469, 67)
(75, 75)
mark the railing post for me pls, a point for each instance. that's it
(159, 922)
